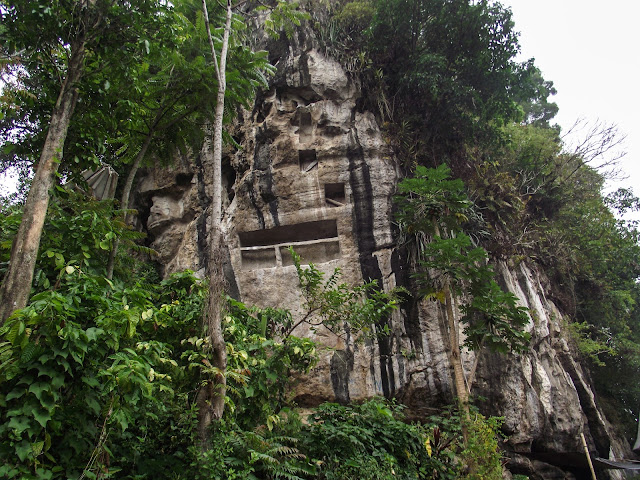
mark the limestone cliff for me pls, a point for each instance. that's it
(315, 172)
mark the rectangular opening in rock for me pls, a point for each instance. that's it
(308, 160)
(317, 252)
(305, 130)
(259, 258)
(315, 242)
(286, 234)
(334, 194)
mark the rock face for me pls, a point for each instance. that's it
(315, 172)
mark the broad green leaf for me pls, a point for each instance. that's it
(15, 393)
(93, 405)
(249, 391)
(14, 333)
(23, 450)
(91, 381)
(42, 416)
(93, 333)
(39, 388)
(19, 423)
(37, 447)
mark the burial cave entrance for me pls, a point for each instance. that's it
(315, 242)
(305, 127)
(308, 160)
(334, 194)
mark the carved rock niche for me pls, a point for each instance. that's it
(315, 242)
(308, 160)
(334, 195)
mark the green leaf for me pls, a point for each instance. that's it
(91, 381)
(14, 333)
(23, 450)
(93, 405)
(57, 381)
(93, 333)
(37, 447)
(59, 260)
(19, 423)
(39, 388)
(42, 416)
(28, 353)
(15, 393)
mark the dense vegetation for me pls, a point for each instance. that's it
(100, 371)
(99, 377)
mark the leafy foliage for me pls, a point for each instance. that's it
(77, 235)
(495, 318)
(340, 307)
(99, 377)
(86, 358)
(38, 38)
(432, 201)
(374, 440)
(366, 441)
(431, 194)
(258, 352)
(442, 71)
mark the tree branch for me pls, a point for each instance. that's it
(211, 43)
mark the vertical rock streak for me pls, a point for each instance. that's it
(363, 226)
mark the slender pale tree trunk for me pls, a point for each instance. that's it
(16, 285)
(126, 193)
(456, 356)
(636, 446)
(211, 397)
(454, 341)
(472, 374)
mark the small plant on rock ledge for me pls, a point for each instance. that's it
(341, 308)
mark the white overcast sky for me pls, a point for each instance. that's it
(590, 49)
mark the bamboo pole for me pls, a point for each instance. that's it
(586, 452)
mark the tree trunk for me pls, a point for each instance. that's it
(472, 374)
(636, 446)
(16, 285)
(211, 397)
(456, 357)
(126, 193)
